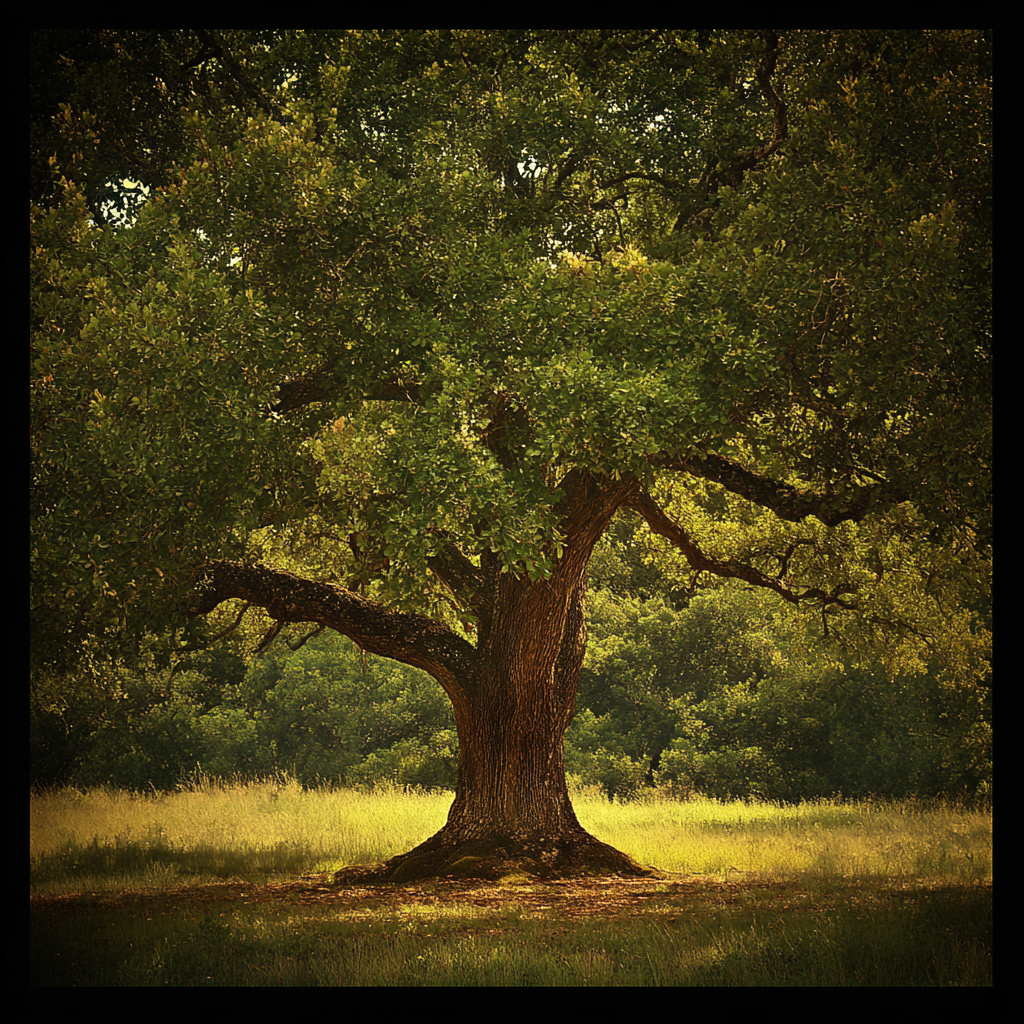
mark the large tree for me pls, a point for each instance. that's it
(405, 319)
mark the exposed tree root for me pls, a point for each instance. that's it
(494, 857)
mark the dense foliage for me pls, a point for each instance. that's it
(320, 714)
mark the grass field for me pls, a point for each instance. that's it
(227, 885)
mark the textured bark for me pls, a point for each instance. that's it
(512, 811)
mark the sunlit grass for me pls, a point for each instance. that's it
(827, 838)
(105, 839)
(109, 839)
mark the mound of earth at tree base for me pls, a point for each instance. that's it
(496, 857)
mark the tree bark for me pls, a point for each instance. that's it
(512, 812)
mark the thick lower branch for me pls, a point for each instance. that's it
(411, 639)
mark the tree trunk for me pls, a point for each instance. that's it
(513, 693)
(512, 813)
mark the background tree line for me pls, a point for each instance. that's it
(721, 693)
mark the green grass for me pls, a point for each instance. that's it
(202, 887)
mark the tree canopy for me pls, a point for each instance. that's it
(378, 331)
(397, 288)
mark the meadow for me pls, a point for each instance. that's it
(228, 884)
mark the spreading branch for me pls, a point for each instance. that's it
(790, 503)
(661, 524)
(322, 385)
(411, 639)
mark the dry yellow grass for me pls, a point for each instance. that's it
(822, 837)
(103, 839)
(216, 828)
